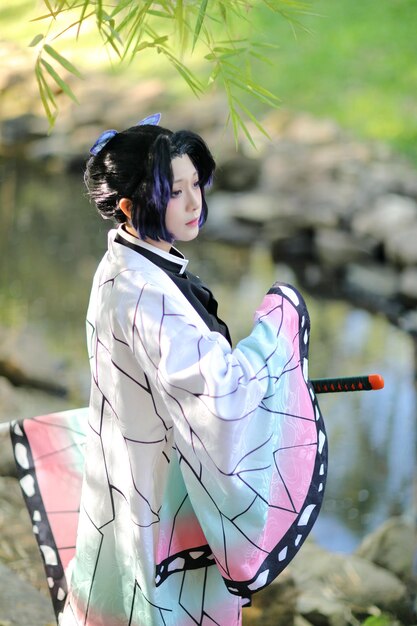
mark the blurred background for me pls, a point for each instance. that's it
(328, 202)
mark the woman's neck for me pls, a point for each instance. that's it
(162, 245)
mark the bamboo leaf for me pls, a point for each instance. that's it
(265, 44)
(262, 58)
(156, 13)
(213, 76)
(131, 26)
(113, 36)
(253, 88)
(62, 61)
(42, 17)
(247, 133)
(252, 118)
(82, 16)
(114, 32)
(109, 33)
(233, 41)
(48, 6)
(99, 13)
(223, 11)
(235, 120)
(157, 42)
(191, 80)
(160, 40)
(36, 40)
(70, 26)
(127, 19)
(121, 6)
(228, 51)
(143, 45)
(200, 20)
(180, 24)
(59, 81)
(53, 12)
(45, 87)
(60, 5)
(46, 96)
(221, 57)
(234, 116)
(137, 29)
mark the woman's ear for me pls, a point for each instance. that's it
(125, 205)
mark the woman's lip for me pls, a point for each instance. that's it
(193, 222)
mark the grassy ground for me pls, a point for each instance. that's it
(350, 61)
(357, 65)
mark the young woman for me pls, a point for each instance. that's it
(204, 464)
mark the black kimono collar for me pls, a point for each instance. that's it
(173, 261)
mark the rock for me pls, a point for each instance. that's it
(239, 173)
(321, 214)
(382, 174)
(26, 357)
(24, 403)
(337, 247)
(7, 462)
(9, 401)
(389, 213)
(27, 348)
(389, 174)
(221, 226)
(377, 281)
(305, 128)
(342, 160)
(23, 128)
(293, 249)
(57, 146)
(401, 246)
(408, 285)
(19, 378)
(278, 174)
(407, 321)
(321, 609)
(276, 604)
(391, 546)
(299, 620)
(18, 403)
(21, 604)
(331, 584)
(254, 208)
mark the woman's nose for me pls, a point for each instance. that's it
(194, 199)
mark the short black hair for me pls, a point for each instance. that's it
(136, 164)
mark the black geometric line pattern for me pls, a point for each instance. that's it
(205, 466)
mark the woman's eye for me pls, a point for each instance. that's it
(175, 194)
(196, 184)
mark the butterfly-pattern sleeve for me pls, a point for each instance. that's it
(249, 434)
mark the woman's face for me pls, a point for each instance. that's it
(184, 208)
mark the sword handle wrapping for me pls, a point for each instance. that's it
(348, 383)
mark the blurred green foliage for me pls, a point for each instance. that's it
(354, 62)
(379, 620)
(217, 33)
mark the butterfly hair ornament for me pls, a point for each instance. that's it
(152, 120)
